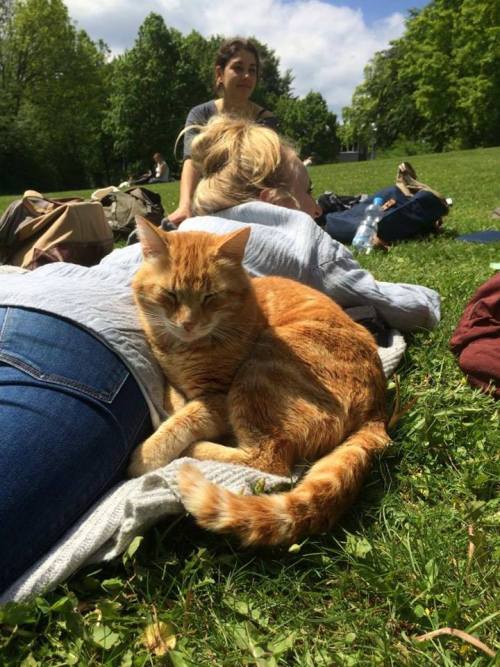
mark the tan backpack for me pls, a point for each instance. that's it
(36, 230)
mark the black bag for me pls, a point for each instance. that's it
(412, 209)
(332, 203)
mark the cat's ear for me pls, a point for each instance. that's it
(153, 244)
(233, 245)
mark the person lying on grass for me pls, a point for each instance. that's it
(79, 385)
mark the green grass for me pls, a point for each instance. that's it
(396, 567)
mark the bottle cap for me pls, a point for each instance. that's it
(378, 201)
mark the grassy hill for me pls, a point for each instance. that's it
(416, 553)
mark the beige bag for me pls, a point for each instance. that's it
(58, 231)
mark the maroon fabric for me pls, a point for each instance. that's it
(476, 340)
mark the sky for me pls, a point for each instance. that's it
(326, 43)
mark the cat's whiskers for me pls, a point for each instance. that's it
(158, 322)
(153, 315)
(223, 334)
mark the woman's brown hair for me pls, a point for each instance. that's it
(228, 50)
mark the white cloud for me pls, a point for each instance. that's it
(326, 46)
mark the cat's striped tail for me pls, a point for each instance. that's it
(312, 506)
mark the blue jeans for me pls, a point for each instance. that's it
(70, 414)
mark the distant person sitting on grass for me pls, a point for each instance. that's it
(160, 175)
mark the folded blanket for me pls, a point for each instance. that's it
(126, 511)
(134, 505)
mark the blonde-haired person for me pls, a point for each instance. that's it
(236, 72)
(251, 176)
(241, 161)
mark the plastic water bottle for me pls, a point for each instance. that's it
(365, 234)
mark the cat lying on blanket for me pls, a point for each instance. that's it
(273, 369)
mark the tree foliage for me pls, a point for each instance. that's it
(309, 124)
(145, 100)
(46, 133)
(439, 83)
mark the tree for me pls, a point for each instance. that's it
(309, 124)
(476, 56)
(383, 101)
(428, 65)
(197, 56)
(439, 83)
(48, 68)
(70, 116)
(147, 106)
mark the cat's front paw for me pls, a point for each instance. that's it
(145, 458)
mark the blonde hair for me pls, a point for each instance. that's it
(237, 160)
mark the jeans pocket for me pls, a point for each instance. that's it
(59, 352)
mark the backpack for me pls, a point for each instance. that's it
(36, 230)
(120, 208)
(412, 209)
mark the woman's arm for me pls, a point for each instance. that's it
(189, 180)
(190, 176)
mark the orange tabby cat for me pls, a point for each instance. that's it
(270, 365)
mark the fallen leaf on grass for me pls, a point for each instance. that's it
(159, 638)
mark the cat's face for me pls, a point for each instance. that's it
(191, 284)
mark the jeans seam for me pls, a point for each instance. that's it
(4, 323)
(19, 361)
(145, 415)
(60, 380)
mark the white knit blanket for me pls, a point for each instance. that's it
(132, 506)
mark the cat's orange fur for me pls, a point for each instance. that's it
(270, 365)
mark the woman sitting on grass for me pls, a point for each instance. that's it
(236, 69)
(79, 387)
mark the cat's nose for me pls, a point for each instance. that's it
(188, 326)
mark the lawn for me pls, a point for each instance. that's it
(416, 553)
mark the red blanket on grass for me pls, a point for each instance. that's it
(476, 340)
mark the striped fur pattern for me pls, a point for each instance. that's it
(264, 372)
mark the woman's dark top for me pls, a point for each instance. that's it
(202, 113)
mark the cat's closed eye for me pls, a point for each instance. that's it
(168, 294)
(206, 298)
